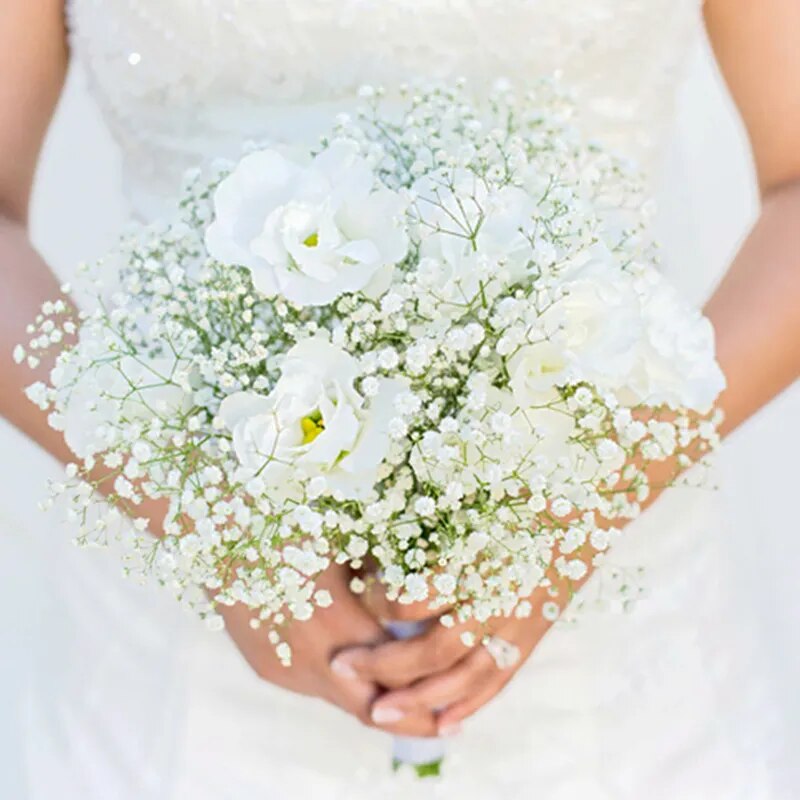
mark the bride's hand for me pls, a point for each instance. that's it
(314, 643)
(434, 680)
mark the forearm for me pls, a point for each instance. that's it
(755, 310)
(28, 282)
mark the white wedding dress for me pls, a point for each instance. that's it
(117, 694)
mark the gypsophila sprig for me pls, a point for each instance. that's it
(441, 342)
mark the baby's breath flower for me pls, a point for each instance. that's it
(445, 365)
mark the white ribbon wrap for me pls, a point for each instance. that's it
(414, 750)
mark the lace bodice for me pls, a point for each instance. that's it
(180, 80)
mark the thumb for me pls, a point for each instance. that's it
(347, 662)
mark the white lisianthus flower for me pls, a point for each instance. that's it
(315, 421)
(309, 233)
(677, 363)
(462, 217)
(450, 275)
(100, 395)
(599, 320)
(551, 427)
(535, 370)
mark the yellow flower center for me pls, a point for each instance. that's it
(312, 240)
(312, 426)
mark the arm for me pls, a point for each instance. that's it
(31, 78)
(754, 312)
(754, 309)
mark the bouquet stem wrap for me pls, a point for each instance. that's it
(424, 754)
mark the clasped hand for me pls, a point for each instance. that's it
(425, 686)
(428, 685)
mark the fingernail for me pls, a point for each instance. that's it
(386, 715)
(450, 730)
(343, 668)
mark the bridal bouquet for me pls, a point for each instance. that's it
(438, 343)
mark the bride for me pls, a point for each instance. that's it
(117, 695)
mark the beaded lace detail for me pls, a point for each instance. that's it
(179, 80)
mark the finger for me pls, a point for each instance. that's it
(353, 695)
(453, 716)
(357, 698)
(417, 722)
(469, 676)
(400, 663)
